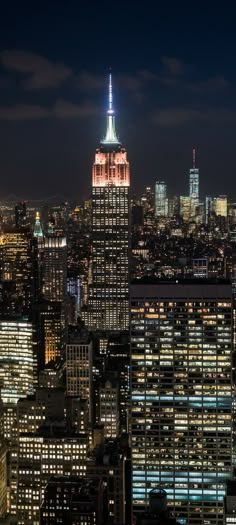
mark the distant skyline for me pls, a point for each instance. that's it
(174, 89)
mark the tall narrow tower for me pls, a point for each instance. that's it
(108, 297)
(193, 186)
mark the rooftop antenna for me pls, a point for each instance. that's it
(194, 158)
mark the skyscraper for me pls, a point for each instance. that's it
(16, 264)
(20, 215)
(17, 361)
(108, 299)
(220, 205)
(53, 261)
(161, 201)
(79, 364)
(182, 396)
(49, 451)
(193, 186)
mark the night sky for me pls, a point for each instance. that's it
(174, 78)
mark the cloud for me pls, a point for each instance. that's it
(174, 75)
(211, 84)
(177, 116)
(39, 71)
(60, 110)
(90, 82)
(64, 109)
(173, 66)
(23, 112)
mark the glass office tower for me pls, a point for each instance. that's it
(182, 396)
(193, 187)
(161, 201)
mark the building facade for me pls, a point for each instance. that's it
(182, 396)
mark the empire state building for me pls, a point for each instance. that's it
(109, 294)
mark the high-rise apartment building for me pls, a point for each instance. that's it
(109, 299)
(193, 187)
(182, 396)
(161, 201)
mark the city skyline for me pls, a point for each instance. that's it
(117, 264)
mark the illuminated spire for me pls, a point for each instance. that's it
(111, 137)
(38, 232)
(194, 158)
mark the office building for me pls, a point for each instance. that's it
(220, 205)
(3, 478)
(185, 207)
(52, 376)
(49, 333)
(53, 264)
(230, 503)
(200, 268)
(17, 361)
(208, 207)
(46, 453)
(20, 215)
(16, 265)
(109, 407)
(108, 462)
(173, 206)
(79, 368)
(158, 512)
(161, 201)
(182, 396)
(108, 294)
(74, 501)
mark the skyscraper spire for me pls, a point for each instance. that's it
(110, 137)
(194, 158)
